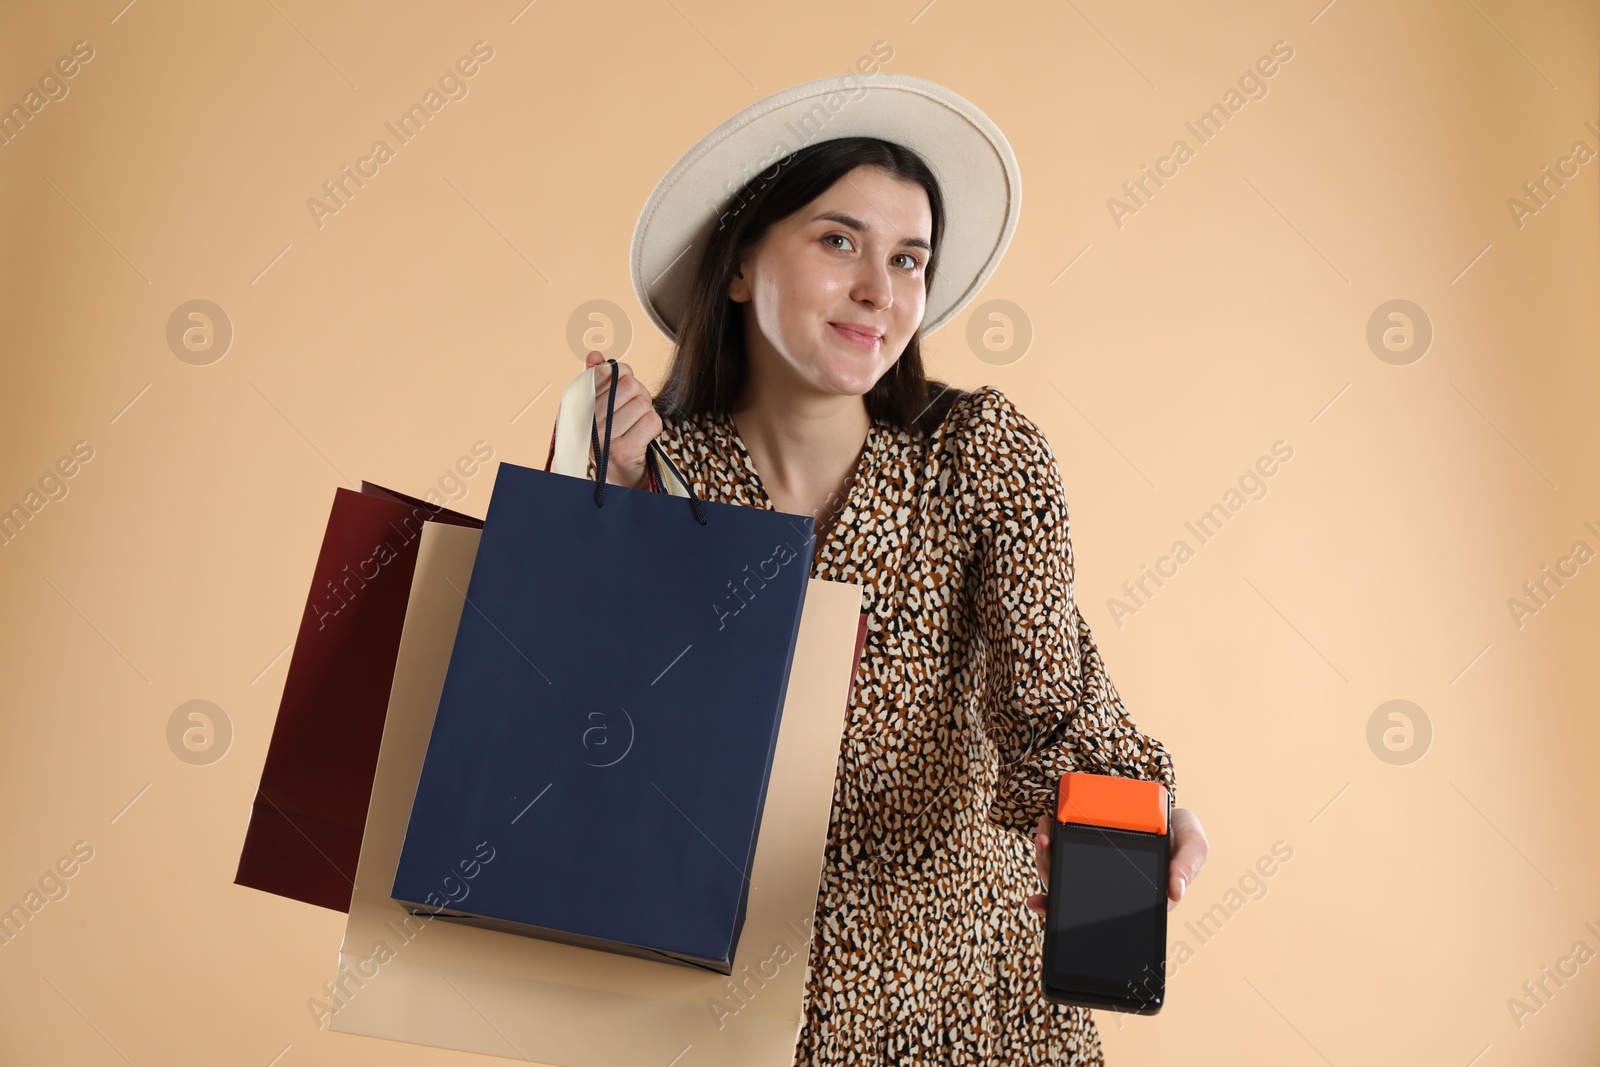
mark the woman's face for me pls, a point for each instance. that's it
(853, 257)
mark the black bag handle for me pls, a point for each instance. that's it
(602, 451)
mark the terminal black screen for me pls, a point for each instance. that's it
(1106, 931)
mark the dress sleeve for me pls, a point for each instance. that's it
(1047, 702)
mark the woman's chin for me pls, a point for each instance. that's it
(849, 385)
(851, 379)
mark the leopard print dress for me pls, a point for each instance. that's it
(979, 684)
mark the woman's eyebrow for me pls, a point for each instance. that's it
(856, 224)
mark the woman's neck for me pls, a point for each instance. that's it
(804, 446)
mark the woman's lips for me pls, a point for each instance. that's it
(866, 341)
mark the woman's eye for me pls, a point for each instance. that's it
(911, 261)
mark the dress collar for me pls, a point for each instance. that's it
(856, 496)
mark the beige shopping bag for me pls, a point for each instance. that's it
(430, 981)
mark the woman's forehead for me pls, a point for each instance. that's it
(870, 200)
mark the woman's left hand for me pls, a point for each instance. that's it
(1189, 850)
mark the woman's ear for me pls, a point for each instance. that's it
(738, 285)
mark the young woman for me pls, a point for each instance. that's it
(797, 384)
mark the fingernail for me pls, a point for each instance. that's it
(1183, 884)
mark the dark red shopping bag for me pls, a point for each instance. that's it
(310, 809)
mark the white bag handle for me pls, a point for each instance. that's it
(575, 424)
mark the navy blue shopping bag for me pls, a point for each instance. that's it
(599, 760)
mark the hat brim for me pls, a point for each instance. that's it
(974, 164)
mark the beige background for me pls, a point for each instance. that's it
(1167, 354)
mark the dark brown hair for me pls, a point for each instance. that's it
(709, 366)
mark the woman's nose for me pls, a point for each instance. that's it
(873, 285)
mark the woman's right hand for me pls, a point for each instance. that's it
(635, 421)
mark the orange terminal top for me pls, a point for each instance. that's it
(1106, 800)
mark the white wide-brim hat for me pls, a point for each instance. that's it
(970, 157)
